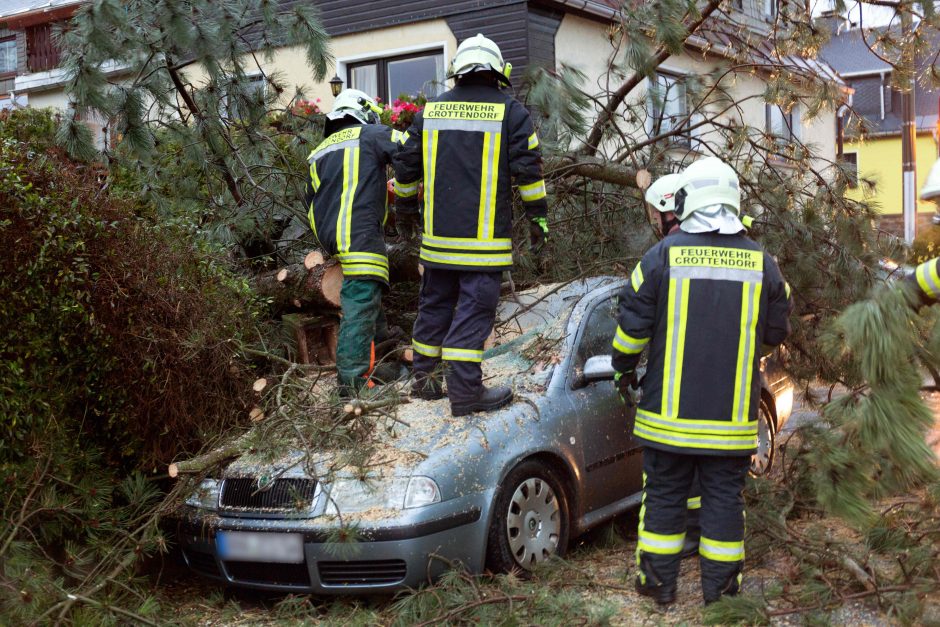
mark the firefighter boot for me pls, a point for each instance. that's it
(489, 399)
(649, 584)
(729, 588)
(427, 387)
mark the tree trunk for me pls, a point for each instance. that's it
(294, 287)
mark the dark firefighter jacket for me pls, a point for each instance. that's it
(469, 145)
(705, 304)
(347, 197)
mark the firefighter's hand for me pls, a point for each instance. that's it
(628, 387)
(538, 234)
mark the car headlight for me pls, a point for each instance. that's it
(206, 496)
(352, 495)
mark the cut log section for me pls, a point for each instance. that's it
(315, 338)
(313, 259)
(296, 287)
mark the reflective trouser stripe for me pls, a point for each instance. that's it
(750, 303)
(786, 288)
(675, 345)
(659, 543)
(694, 503)
(462, 354)
(928, 279)
(636, 279)
(405, 190)
(532, 191)
(487, 215)
(628, 344)
(721, 551)
(533, 141)
(429, 148)
(426, 349)
(350, 182)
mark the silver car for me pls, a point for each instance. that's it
(498, 490)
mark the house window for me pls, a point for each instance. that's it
(779, 124)
(393, 76)
(7, 56)
(42, 53)
(255, 86)
(849, 161)
(770, 9)
(669, 106)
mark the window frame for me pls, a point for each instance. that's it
(853, 179)
(682, 138)
(16, 60)
(788, 122)
(381, 63)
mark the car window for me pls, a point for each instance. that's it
(599, 331)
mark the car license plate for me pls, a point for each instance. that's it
(248, 546)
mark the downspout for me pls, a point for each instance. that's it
(881, 93)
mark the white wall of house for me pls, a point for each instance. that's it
(584, 44)
(291, 63)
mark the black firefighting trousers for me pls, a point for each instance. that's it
(667, 480)
(456, 311)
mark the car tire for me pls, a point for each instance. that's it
(763, 460)
(530, 519)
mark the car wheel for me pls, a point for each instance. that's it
(763, 459)
(530, 519)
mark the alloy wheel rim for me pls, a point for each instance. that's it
(533, 522)
(761, 459)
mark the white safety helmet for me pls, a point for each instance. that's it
(931, 189)
(354, 104)
(661, 195)
(479, 54)
(706, 183)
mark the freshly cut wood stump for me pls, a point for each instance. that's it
(315, 338)
(313, 259)
(295, 287)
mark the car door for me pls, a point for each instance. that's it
(612, 460)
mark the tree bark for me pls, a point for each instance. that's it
(591, 167)
(295, 288)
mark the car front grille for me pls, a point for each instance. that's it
(202, 563)
(285, 494)
(359, 573)
(268, 573)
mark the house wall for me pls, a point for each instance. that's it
(879, 159)
(291, 63)
(584, 44)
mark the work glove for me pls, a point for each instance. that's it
(538, 234)
(628, 387)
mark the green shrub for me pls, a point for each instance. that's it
(115, 331)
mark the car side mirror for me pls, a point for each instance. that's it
(598, 368)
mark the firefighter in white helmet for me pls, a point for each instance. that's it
(347, 207)
(470, 146)
(661, 204)
(705, 300)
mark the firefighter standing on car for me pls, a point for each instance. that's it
(468, 146)
(347, 206)
(707, 301)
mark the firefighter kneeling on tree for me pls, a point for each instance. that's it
(707, 300)
(468, 146)
(347, 204)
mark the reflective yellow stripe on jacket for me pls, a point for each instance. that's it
(927, 278)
